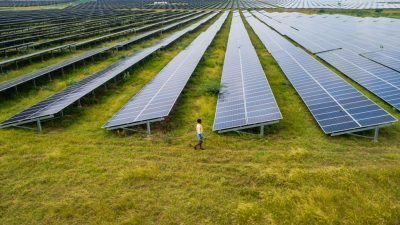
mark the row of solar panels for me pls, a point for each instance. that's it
(246, 99)
(57, 103)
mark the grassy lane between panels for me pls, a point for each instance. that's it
(77, 173)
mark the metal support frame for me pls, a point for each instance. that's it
(148, 128)
(39, 126)
(238, 129)
(127, 126)
(376, 134)
(262, 131)
(353, 132)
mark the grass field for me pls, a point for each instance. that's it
(77, 173)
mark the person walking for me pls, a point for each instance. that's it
(199, 135)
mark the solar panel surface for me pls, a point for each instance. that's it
(380, 80)
(246, 98)
(389, 58)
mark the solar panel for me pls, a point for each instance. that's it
(389, 58)
(156, 99)
(380, 80)
(246, 99)
(336, 106)
(56, 103)
(327, 32)
(314, 44)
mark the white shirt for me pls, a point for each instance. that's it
(199, 128)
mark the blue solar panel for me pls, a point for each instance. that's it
(389, 58)
(246, 98)
(326, 32)
(156, 100)
(380, 80)
(336, 105)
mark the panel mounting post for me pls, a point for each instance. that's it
(261, 130)
(148, 128)
(376, 133)
(39, 126)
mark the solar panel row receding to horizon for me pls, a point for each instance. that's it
(336, 105)
(246, 99)
(56, 103)
(156, 100)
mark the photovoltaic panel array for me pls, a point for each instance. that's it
(380, 80)
(245, 99)
(389, 58)
(56, 103)
(336, 105)
(156, 100)
(41, 72)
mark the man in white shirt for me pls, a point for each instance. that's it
(199, 135)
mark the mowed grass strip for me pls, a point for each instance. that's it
(78, 173)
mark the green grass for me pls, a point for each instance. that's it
(77, 173)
